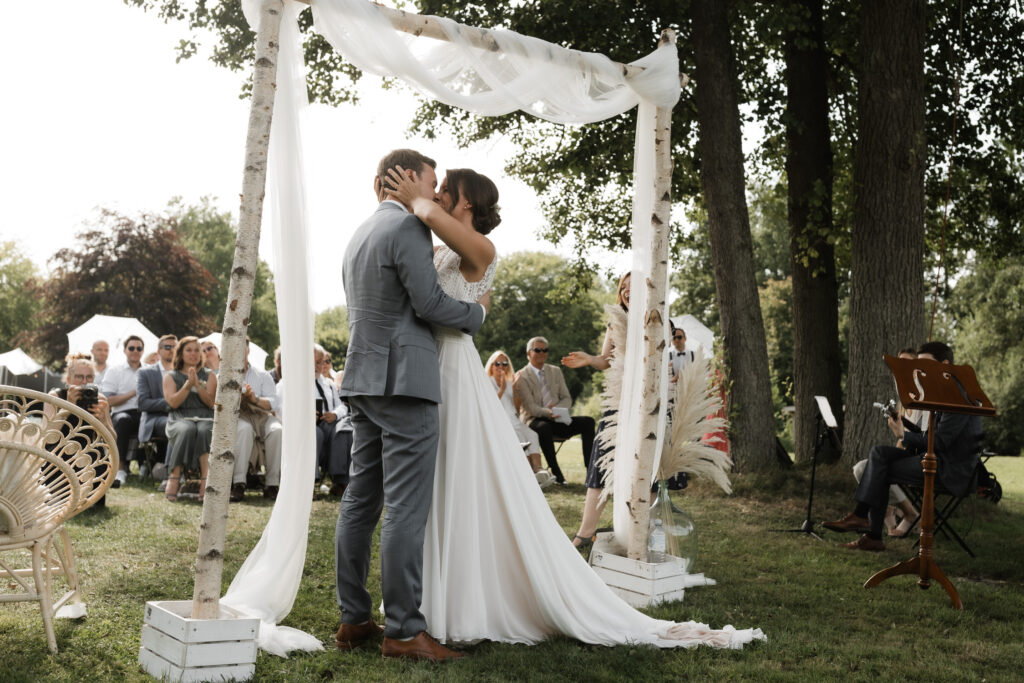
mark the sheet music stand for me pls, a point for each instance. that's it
(827, 429)
(925, 384)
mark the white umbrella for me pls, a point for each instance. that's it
(697, 334)
(113, 330)
(257, 356)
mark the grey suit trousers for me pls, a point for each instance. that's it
(393, 455)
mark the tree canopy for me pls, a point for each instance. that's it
(123, 266)
(17, 305)
(210, 236)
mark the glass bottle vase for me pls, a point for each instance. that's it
(673, 535)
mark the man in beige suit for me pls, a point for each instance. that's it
(540, 388)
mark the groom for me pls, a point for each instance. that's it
(393, 384)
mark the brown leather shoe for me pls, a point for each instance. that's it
(865, 542)
(850, 522)
(351, 636)
(422, 647)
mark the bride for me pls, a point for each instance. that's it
(496, 564)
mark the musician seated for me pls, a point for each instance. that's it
(956, 449)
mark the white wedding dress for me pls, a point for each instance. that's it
(496, 564)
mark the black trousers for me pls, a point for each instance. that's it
(547, 430)
(126, 426)
(333, 452)
(886, 464)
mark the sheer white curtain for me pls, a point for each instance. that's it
(548, 81)
(268, 581)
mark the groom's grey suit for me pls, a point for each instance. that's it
(393, 384)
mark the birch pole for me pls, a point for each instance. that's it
(213, 528)
(654, 332)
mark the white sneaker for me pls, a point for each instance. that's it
(544, 478)
(120, 478)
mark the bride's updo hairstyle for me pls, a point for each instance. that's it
(481, 194)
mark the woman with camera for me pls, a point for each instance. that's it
(79, 388)
(189, 390)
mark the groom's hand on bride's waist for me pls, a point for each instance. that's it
(485, 301)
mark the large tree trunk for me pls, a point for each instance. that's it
(752, 435)
(816, 361)
(213, 527)
(887, 287)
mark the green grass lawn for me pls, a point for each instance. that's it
(805, 594)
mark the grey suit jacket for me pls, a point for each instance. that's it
(393, 297)
(528, 389)
(149, 388)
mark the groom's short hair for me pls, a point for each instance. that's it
(409, 159)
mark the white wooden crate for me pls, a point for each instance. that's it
(177, 647)
(640, 584)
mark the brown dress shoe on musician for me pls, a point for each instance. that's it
(422, 647)
(850, 522)
(351, 636)
(865, 542)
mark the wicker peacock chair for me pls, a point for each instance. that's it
(56, 460)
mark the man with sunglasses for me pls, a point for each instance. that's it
(541, 388)
(120, 385)
(149, 385)
(678, 356)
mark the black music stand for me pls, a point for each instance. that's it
(827, 429)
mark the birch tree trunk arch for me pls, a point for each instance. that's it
(361, 30)
(213, 527)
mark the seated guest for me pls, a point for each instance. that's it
(189, 390)
(121, 385)
(149, 386)
(956, 448)
(211, 356)
(334, 426)
(100, 353)
(898, 499)
(275, 374)
(541, 388)
(327, 367)
(79, 375)
(255, 420)
(499, 369)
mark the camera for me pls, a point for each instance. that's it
(88, 396)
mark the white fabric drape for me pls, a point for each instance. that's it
(523, 73)
(548, 81)
(268, 581)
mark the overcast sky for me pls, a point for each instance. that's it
(98, 114)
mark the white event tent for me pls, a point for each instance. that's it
(113, 330)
